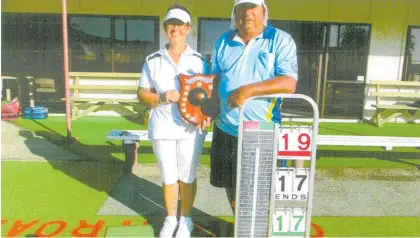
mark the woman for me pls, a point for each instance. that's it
(177, 144)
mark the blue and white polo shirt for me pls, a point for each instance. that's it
(271, 54)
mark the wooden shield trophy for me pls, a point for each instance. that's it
(197, 101)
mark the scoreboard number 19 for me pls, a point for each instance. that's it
(294, 144)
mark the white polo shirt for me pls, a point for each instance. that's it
(161, 73)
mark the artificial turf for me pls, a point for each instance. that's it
(35, 194)
(89, 126)
(91, 133)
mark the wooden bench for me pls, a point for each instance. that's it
(406, 96)
(131, 139)
(92, 92)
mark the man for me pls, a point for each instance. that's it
(252, 59)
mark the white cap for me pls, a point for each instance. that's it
(256, 2)
(178, 14)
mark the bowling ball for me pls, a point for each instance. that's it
(197, 96)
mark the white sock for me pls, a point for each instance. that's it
(172, 218)
(182, 218)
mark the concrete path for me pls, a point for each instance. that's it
(20, 144)
(139, 194)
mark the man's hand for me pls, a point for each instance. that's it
(238, 97)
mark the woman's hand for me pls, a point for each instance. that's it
(170, 96)
(205, 123)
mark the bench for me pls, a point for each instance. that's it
(131, 139)
(407, 97)
(92, 92)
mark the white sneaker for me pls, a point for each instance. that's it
(169, 227)
(185, 227)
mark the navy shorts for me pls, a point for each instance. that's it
(223, 159)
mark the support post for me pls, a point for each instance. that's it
(130, 151)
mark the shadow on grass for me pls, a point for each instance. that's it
(144, 197)
(101, 171)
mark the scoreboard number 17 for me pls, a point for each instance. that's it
(289, 222)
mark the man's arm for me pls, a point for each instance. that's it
(280, 84)
(285, 80)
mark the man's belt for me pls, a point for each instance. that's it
(197, 101)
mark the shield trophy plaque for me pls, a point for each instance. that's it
(197, 101)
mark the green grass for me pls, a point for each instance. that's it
(331, 226)
(366, 163)
(363, 129)
(64, 191)
(90, 130)
(102, 125)
(369, 226)
(34, 190)
(39, 193)
(91, 133)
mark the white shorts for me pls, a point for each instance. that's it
(178, 159)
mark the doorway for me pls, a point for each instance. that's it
(332, 60)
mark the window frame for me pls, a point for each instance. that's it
(199, 27)
(407, 64)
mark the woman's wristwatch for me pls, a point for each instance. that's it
(162, 99)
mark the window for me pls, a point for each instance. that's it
(31, 43)
(90, 44)
(135, 39)
(209, 31)
(348, 51)
(412, 55)
(111, 44)
(9, 44)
